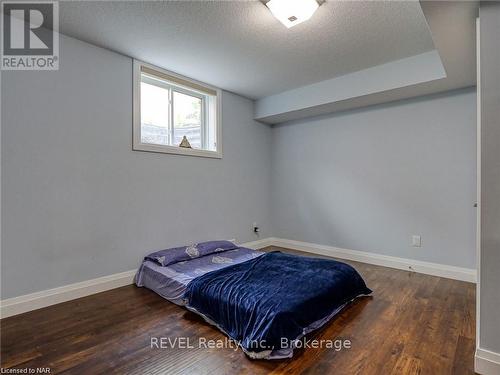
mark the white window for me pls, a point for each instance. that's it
(170, 109)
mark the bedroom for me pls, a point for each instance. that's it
(346, 141)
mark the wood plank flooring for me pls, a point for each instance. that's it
(413, 324)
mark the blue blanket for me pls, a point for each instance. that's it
(273, 297)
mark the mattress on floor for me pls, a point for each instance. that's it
(268, 303)
(170, 282)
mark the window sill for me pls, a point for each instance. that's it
(177, 151)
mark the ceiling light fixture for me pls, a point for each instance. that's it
(292, 12)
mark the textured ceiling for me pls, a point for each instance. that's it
(452, 24)
(240, 47)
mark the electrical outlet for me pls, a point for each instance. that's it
(256, 228)
(416, 241)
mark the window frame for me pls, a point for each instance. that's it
(183, 85)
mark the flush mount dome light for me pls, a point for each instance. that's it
(292, 12)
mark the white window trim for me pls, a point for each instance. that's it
(137, 145)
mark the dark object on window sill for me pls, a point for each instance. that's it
(185, 143)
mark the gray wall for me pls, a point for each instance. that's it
(78, 203)
(368, 179)
(490, 177)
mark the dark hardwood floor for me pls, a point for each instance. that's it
(413, 324)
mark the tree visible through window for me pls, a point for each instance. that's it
(187, 119)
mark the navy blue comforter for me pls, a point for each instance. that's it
(274, 296)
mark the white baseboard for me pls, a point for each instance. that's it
(434, 269)
(487, 362)
(258, 244)
(33, 301)
(44, 298)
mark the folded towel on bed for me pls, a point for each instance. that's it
(276, 296)
(183, 253)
